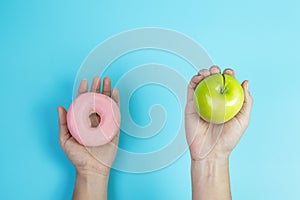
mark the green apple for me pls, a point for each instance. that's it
(218, 98)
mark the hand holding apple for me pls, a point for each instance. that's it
(222, 137)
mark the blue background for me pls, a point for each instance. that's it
(43, 43)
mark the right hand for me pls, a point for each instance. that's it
(89, 159)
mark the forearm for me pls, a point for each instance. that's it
(210, 180)
(90, 186)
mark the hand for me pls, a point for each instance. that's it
(214, 141)
(89, 160)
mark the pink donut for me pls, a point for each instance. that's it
(79, 122)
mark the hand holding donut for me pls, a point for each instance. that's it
(91, 158)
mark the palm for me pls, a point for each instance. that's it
(97, 159)
(207, 139)
(91, 158)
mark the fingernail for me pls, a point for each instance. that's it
(58, 110)
(247, 85)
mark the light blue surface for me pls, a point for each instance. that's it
(44, 43)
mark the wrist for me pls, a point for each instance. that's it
(210, 167)
(93, 170)
(92, 175)
(213, 157)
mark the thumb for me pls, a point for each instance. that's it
(64, 134)
(244, 114)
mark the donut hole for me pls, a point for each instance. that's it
(94, 120)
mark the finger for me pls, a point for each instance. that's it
(83, 87)
(229, 72)
(215, 69)
(64, 134)
(115, 96)
(245, 111)
(106, 86)
(195, 81)
(96, 84)
(115, 140)
(204, 73)
(192, 85)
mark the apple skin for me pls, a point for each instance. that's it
(218, 98)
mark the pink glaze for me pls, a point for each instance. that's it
(79, 122)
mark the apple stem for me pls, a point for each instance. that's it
(223, 88)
